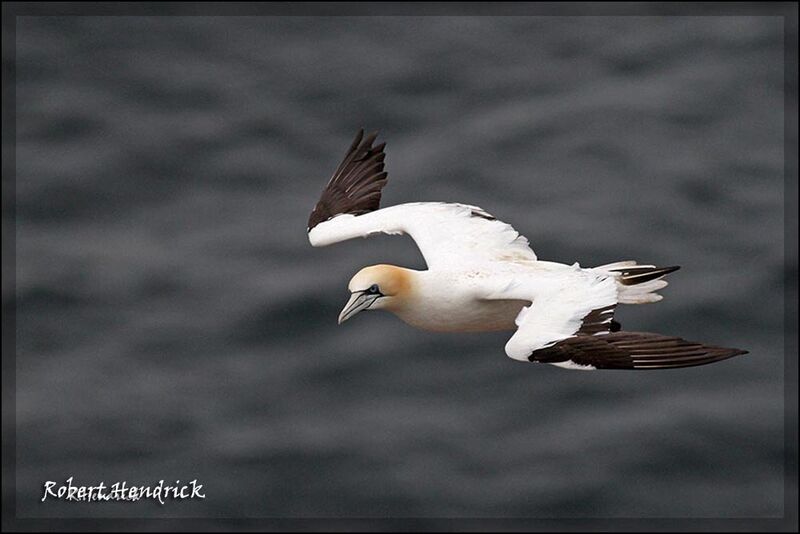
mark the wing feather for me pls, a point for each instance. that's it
(631, 350)
(355, 187)
(570, 324)
(565, 301)
(446, 234)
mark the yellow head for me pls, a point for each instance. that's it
(378, 287)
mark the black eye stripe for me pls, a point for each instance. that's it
(373, 290)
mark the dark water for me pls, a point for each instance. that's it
(174, 322)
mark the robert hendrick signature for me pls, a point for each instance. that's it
(121, 491)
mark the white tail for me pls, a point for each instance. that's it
(637, 284)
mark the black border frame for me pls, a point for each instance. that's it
(788, 10)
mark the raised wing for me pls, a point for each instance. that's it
(356, 185)
(570, 324)
(446, 234)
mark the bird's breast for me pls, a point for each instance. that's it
(452, 315)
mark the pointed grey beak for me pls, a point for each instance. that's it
(358, 301)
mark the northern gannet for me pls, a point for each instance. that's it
(482, 275)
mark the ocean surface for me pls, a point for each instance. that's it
(174, 323)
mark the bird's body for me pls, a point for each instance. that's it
(463, 298)
(461, 308)
(483, 276)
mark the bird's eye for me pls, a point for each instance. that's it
(373, 289)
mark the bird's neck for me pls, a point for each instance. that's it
(404, 288)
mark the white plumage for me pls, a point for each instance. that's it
(482, 275)
(447, 234)
(480, 261)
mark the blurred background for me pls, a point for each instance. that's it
(174, 323)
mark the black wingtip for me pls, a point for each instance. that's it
(633, 350)
(356, 185)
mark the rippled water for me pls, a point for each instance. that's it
(174, 323)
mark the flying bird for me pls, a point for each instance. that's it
(482, 275)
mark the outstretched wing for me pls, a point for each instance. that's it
(565, 301)
(446, 234)
(570, 324)
(630, 350)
